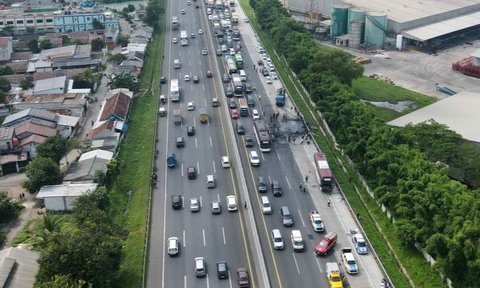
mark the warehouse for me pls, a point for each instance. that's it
(421, 23)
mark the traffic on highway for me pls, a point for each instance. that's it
(233, 204)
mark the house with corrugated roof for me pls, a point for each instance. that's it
(6, 48)
(62, 197)
(50, 86)
(30, 115)
(19, 267)
(87, 165)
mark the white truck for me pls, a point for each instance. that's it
(349, 261)
(316, 221)
(334, 275)
(174, 91)
(175, 23)
(183, 38)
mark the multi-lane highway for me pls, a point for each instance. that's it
(228, 236)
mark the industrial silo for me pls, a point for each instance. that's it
(339, 17)
(355, 28)
(375, 29)
(357, 15)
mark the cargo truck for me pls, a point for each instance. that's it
(237, 85)
(280, 98)
(177, 117)
(334, 275)
(174, 90)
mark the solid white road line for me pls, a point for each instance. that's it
(278, 154)
(301, 218)
(185, 281)
(198, 168)
(211, 143)
(196, 143)
(288, 183)
(203, 233)
(182, 169)
(184, 239)
(223, 233)
(214, 169)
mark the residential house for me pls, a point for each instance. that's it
(31, 134)
(142, 35)
(6, 48)
(20, 67)
(108, 143)
(21, 56)
(55, 38)
(7, 139)
(71, 104)
(38, 116)
(88, 164)
(67, 126)
(20, 21)
(125, 69)
(13, 163)
(111, 36)
(86, 36)
(50, 86)
(116, 108)
(19, 267)
(102, 129)
(62, 197)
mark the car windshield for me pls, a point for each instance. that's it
(351, 262)
(336, 279)
(323, 244)
(361, 244)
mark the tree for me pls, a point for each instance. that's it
(62, 281)
(54, 148)
(33, 46)
(117, 58)
(25, 84)
(131, 8)
(46, 44)
(6, 70)
(86, 79)
(100, 177)
(153, 13)
(8, 208)
(42, 171)
(124, 80)
(122, 40)
(5, 85)
(97, 44)
(97, 25)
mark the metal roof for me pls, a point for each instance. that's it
(458, 112)
(49, 84)
(101, 154)
(66, 189)
(438, 29)
(18, 267)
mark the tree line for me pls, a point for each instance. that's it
(408, 168)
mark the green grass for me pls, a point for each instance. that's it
(136, 154)
(418, 269)
(378, 91)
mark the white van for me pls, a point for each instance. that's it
(225, 162)
(173, 245)
(231, 203)
(243, 75)
(297, 241)
(277, 239)
(200, 267)
(266, 207)
(176, 64)
(211, 183)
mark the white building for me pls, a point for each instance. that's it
(62, 197)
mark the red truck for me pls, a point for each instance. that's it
(327, 243)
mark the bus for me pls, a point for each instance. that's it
(183, 38)
(325, 176)
(234, 19)
(239, 61)
(232, 67)
(174, 23)
(237, 85)
(174, 90)
(262, 135)
(242, 103)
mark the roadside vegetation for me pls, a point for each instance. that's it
(429, 208)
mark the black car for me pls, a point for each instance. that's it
(191, 172)
(249, 141)
(196, 79)
(265, 71)
(197, 5)
(180, 142)
(190, 130)
(248, 88)
(176, 201)
(277, 191)
(261, 184)
(229, 92)
(163, 80)
(260, 63)
(226, 78)
(232, 104)
(240, 128)
(222, 270)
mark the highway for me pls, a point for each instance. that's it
(224, 237)
(201, 234)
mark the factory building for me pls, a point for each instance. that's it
(417, 22)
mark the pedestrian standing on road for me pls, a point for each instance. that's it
(304, 189)
(245, 204)
(254, 67)
(329, 202)
(300, 186)
(306, 178)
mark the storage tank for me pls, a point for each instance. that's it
(375, 29)
(355, 28)
(339, 20)
(355, 14)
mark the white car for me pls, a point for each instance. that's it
(173, 246)
(232, 52)
(360, 244)
(255, 114)
(194, 205)
(245, 19)
(183, 11)
(204, 51)
(186, 77)
(189, 2)
(210, 17)
(175, 40)
(190, 106)
(200, 31)
(269, 79)
(254, 160)
(274, 75)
